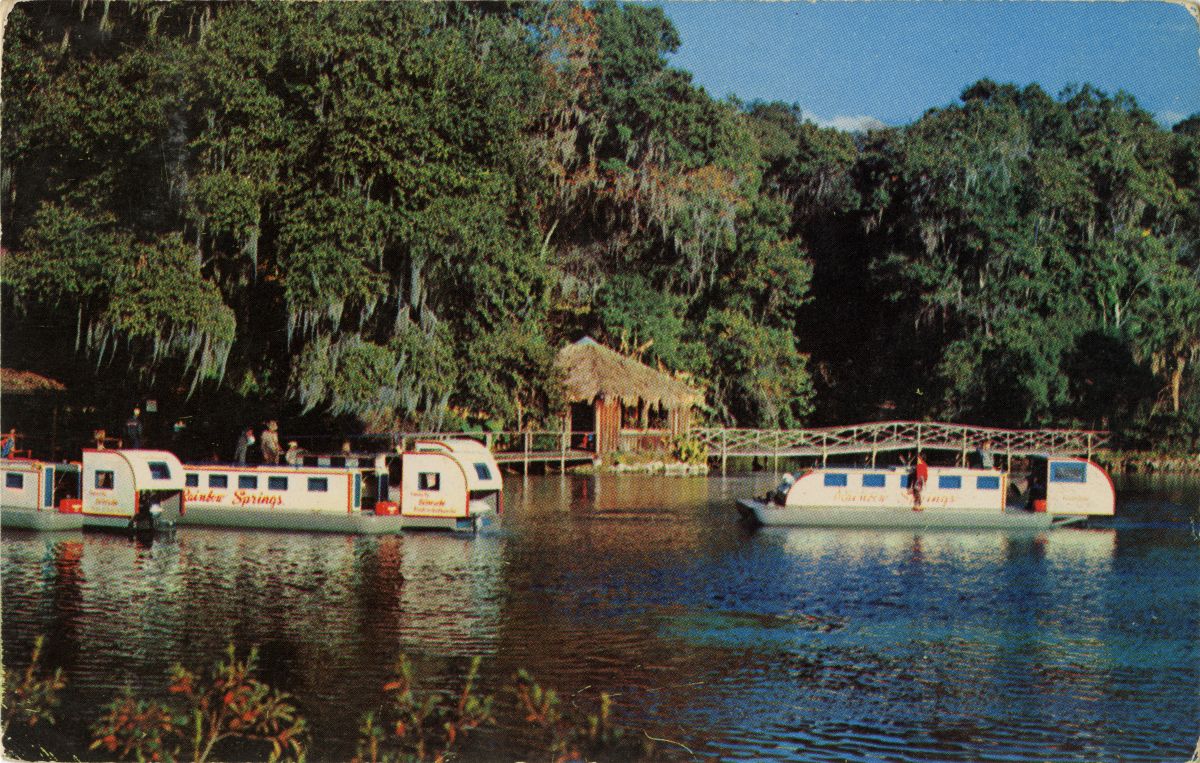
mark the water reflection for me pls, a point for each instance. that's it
(773, 644)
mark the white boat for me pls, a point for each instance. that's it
(1062, 491)
(446, 485)
(118, 489)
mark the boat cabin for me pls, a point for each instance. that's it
(440, 478)
(1064, 485)
(38, 485)
(273, 488)
(123, 487)
(948, 487)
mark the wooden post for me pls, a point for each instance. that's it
(527, 440)
(963, 456)
(724, 452)
(488, 439)
(54, 434)
(562, 450)
(1089, 446)
(778, 435)
(824, 449)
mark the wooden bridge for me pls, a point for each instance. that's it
(563, 449)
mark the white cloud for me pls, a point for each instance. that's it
(859, 123)
(1170, 118)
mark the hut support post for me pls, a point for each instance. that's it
(562, 450)
(527, 441)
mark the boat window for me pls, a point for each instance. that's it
(483, 472)
(218, 481)
(14, 480)
(191, 480)
(247, 482)
(947, 482)
(904, 481)
(277, 483)
(159, 470)
(1068, 471)
(835, 480)
(357, 491)
(987, 483)
(429, 481)
(874, 480)
(104, 480)
(318, 484)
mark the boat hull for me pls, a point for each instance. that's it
(356, 523)
(15, 518)
(774, 515)
(53, 521)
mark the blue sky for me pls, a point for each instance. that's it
(849, 62)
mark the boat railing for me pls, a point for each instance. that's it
(886, 436)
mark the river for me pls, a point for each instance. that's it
(770, 644)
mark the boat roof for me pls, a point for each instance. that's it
(145, 467)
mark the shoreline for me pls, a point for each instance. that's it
(1147, 462)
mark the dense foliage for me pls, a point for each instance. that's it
(392, 214)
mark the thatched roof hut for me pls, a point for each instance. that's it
(600, 382)
(14, 382)
(593, 370)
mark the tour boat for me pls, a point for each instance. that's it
(1060, 491)
(118, 489)
(447, 485)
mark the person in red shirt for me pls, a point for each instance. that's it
(919, 477)
(8, 445)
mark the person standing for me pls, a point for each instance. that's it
(8, 445)
(178, 447)
(983, 453)
(919, 478)
(133, 430)
(270, 443)
(294, 456)
(243, 445)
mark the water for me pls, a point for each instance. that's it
(1073, 645)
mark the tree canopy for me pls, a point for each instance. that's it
(391, 215)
